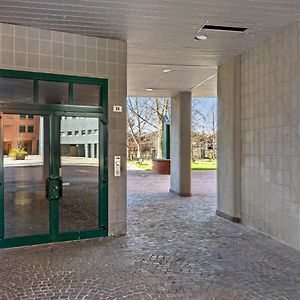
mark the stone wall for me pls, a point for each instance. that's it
(31, 49)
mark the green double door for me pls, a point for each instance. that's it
(53, 176)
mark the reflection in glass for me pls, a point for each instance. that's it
(51, 92)
(86, 94)
(26, 209)
(80, 175)
(14, 89)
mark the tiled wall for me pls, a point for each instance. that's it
(31, 49)
(270, 116)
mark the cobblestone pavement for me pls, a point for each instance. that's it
(176, 249)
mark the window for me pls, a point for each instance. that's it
(22, 117)
(30, 129)
(83, 132)
(89, 150)
(62, 133)
(30, 117)
(22, 129)
(16, 90)
(86, 94)
(51, 92)
(69, 133)
(96, 131)
(90, 131)
(76, 132)
(96, 150)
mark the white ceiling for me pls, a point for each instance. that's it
(160, 34)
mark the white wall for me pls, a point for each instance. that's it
(270, 114)
(229, 150)
(270, 136)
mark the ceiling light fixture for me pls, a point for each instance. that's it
(201, 37)
(149, 89)
(224, 28)
(166, 71)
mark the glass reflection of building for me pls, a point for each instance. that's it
(79, 136)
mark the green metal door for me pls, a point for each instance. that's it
(61, 195)
(59, 190)
(78, 195)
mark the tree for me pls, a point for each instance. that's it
(161, 107)
(146, 115)
(204, 121)
(139, 117)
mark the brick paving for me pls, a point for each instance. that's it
(176, 249)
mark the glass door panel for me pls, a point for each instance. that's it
(26, 209)
(79, 206)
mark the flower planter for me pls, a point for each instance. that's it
(20, 157)
(17, 154)
(161, 166)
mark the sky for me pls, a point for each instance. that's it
(203, 112)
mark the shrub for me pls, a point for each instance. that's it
(18, 154)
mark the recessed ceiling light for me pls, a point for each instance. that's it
(201, 37)
(224, 28)
(166, 71)
(149, 89)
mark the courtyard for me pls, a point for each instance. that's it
(176, 248)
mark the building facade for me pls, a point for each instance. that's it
(21, 132)
(79, 137)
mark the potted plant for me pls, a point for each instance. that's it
(17, 154)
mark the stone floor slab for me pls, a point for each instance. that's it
(176, 248)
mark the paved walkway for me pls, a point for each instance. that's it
(176, 249)
(37, 160)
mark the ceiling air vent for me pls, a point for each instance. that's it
(224, 28)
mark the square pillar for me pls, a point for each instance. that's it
(181, 122)
(229, 140)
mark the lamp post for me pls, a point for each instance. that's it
(162, 166)
(166, 138)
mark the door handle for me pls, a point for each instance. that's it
(54, 188)
(60, 188)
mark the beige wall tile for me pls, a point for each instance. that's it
(20, 59)
(8, 29)
(270, 100)
(45, 47)
(57, 49)
(7, 59)
(57, 64)
(7, 42)
(80, 52)
(33, 61)
(45, 62)
(57, 37)
(33, 46)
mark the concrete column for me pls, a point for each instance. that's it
(229, 140)
(86, 151)
(92, 150)
(181, 144)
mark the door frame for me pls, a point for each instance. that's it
(54, 111)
